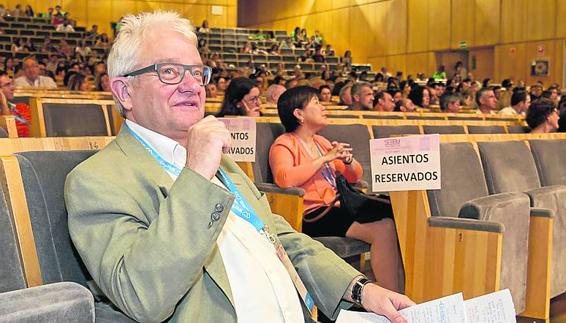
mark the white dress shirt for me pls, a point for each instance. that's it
(261, 287)
(40, 82)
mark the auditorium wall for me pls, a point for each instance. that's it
(103, 12)
(502, 38)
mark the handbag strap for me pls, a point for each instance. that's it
(321, 214)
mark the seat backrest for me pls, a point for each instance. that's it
(518, 129)
(392, 131)
(550, 160)
(461, 179)
(444, 130)
(357, 135)
(43, 175)
(74, 120)
(414, 117)
(476, 130)
(382, 116)
(11, 271)
(508, 166)
(266, 133)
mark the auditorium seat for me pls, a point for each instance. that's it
(74, 120)
(510, 167)
(43, 175)
(357, 135)
(443, 130)
(550, 159)
(518, 129)
(281, 200)
(476, 130)
(394, 131)
(382, 116)
(420, 117)
(58, 302)
(465, 195)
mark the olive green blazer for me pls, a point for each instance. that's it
(150, 242)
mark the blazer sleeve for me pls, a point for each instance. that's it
(325, 275)
(144, 246)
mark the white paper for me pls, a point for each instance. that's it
(496, 307)
(449, 309)
(491, 308)
(243, 134)
(405, 163)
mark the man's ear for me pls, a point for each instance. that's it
(121, 90)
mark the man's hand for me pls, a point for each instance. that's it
(385, 302)
(205, 142)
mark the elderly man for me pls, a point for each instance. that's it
(345, 95)
(32, 77)
(486, 101)
(21, 111)
(273, 93)
(172, 229)
(362, 97)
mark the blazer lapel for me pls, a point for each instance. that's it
(141, 158)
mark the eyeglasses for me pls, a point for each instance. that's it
(255, 99)
(172, 73)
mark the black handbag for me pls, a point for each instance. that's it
(361, 206)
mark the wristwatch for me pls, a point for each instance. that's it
(357, 290)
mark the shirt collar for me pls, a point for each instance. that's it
(167, 148)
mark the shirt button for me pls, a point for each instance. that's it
(219, 207)
(215, 216)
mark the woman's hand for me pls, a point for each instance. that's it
(341, 151)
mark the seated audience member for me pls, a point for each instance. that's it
(66, 26)
(345, 95)
(520, 101)
(562, 110)
(420, 96)
(404, 105)
(172, 229)
(92, 33)
(103, 82)
(21, 111)
(211, 90)
(242, 98)
(362, 97)
(83, 49)
(536, 91)
(543, 116)
(384, 102)
(486, 101)
(467, 99)
(324, 94)
(78, 82)
(450, 103)
(405, 88)
(31, 77)
(204, 27)
(273, 93)
(221, 85)
(18, 46)
(301, 158)
(395, 94)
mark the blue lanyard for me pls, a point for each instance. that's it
(240, 207)
(326, 171)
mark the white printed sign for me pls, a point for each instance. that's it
(243, 133)
(405, 163)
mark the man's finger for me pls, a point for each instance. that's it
(391, 313)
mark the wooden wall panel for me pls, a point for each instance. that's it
(513, 20)
(542, 50)
(417, 21)
(484, 63)
(462, 24)
(395, 25)
(486, 23)
(560, 14)
(438, 24)
(417, 63)
(541, 19)
(510, 62)
(358, 23)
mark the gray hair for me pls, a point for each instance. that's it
(134, 30)
(357, 88)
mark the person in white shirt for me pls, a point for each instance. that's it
(32, 77)
(172, 229)
(520, 102)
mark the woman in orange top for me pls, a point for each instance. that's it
(301, 158)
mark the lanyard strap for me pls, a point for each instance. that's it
(326, 171)
(241, 208)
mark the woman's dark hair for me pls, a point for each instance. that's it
(416, 95)
(295, 98)
(98, 81)
(539, 111)
(75, 81)
(235, 92)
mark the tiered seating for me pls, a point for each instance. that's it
(37, 29)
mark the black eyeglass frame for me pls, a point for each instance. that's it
(207, 72)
